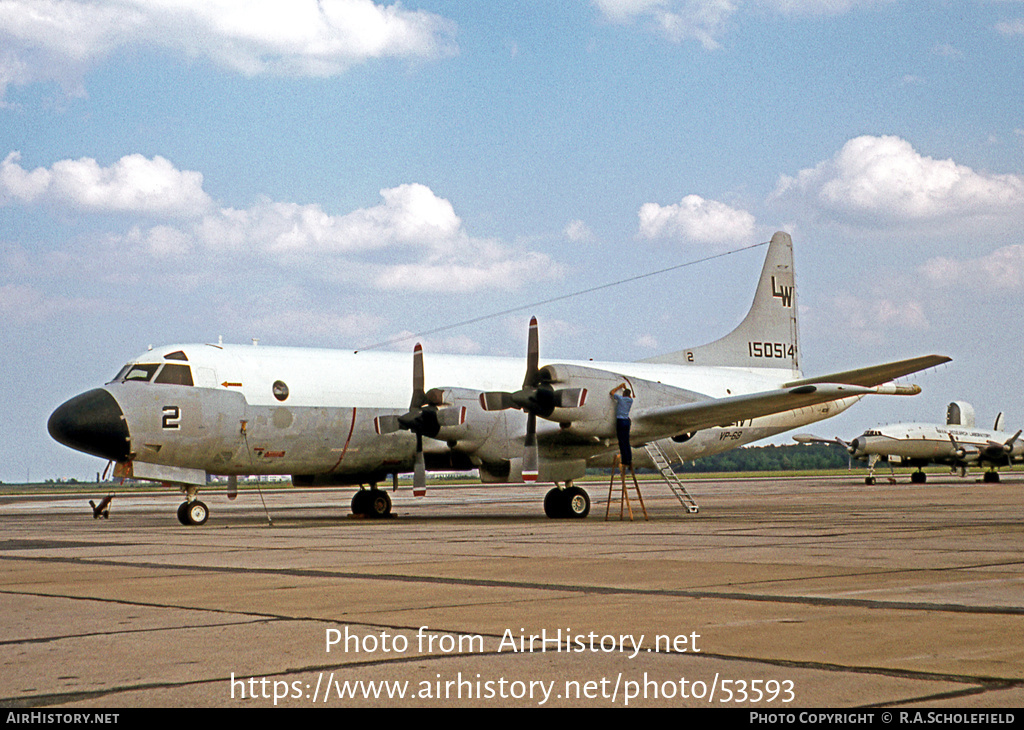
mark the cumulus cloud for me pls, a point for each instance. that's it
(133, 184)
(1001, 271)
(416, 233)
(410, 215)
(706, 20)
(473, 270)
(678, 20)
(867, 320)
(579, 232)
(816, 7)
(696, 219)
(25, 304)
(1011, 27)
(883, 180)
(60, 40)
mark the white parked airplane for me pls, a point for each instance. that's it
(181, 413)
(959, 444)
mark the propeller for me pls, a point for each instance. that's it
(424, 418)
(537, 397)
(997, 450)
(963, 452)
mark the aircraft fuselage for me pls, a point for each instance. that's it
(233, 410)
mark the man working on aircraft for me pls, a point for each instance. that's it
(622, 405)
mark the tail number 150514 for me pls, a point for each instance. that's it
(779, 350)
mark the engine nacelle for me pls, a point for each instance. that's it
(594, 406)
(596, 416)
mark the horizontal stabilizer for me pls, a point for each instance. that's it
(876, 374)
(725, 411)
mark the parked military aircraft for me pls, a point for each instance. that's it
(959, 444)
(181, 413)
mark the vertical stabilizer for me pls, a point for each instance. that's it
(769, 336)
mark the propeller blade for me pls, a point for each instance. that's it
(419, 397)
(532, 356)
(419, 477)
(531, 454)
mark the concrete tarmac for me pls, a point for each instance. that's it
(810, 592)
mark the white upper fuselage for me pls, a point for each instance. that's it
(347, 379)
(273, 410)
(927, 442)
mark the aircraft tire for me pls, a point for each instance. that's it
(183, 514)
(556, 504)
(991, 477)
(359, 502)
(869, 480)
(918, 477)
(378, 504)
(577, 503)
(197, 513)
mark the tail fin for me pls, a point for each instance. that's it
(769, 336)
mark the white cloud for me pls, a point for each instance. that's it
(883, 180)
(419, 233)
(132, 184)
(647, 342)
(1001, 271)
(678, 20)
(706, 20)
(870, 320)
(1011, 27)
(24, 304)
(471, 273)
(579, 232)
(817, 7)
(410, 215)
(60, 40)
(696, 219)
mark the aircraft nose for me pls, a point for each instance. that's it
(94, 423)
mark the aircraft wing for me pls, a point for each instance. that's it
(724, 411)
(876, 374)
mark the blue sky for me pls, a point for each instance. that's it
(340, 173)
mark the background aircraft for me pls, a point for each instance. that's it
(181, 413)
(958, 444)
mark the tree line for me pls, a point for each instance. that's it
(795, 457)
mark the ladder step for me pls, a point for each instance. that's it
(661, 461)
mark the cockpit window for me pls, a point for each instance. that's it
(176, 355)
(139, 372)
(143, 372)
(121, 373)
(175, 375)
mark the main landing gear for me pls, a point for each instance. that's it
(567, 503)
(193, 513)
(371, 502)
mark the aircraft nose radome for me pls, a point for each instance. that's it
(92, 422)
